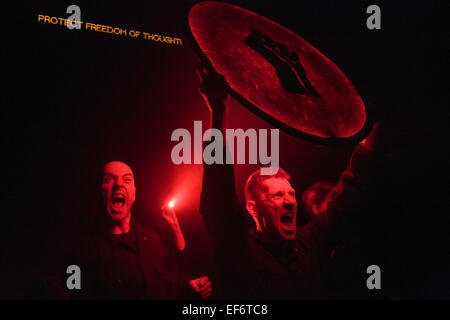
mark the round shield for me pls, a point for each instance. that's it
(276, 73)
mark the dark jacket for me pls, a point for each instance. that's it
(132, 266)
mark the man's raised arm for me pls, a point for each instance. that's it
(219, 205)
(345, 196)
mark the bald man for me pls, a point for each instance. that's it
(127, 260)
(119, 194)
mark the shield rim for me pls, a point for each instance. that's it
(356, 138)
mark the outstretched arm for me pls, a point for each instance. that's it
(214, 91)
(345, 196)
(199, 286)
(170, 217)
(219, 206)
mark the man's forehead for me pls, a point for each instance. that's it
(276, 183)
(117, 168)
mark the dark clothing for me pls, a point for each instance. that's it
(253, 269)
(135, 265)
(125, 268)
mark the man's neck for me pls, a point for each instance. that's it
(122, 226)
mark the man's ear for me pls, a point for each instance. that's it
(252, 209)
(315, 208)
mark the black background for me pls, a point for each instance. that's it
(76, 99)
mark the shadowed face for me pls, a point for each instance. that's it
(278, 208)
(118, 189)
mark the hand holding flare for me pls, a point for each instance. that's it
(200, 285)
(170, 216)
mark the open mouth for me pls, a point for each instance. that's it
(118, 201)
(288, 227)
(287, 218)
(287, 222)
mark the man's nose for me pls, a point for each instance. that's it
(117, 184)
(289, 202)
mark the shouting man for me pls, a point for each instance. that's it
(264, 254)
(125, 259)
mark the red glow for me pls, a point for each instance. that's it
(183, 188)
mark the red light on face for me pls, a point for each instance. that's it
(171, 204)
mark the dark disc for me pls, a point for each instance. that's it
(277, 72)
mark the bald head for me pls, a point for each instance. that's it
(117, 165)
(118, 189)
